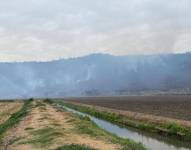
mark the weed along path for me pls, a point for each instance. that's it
(8, 108)
(47, 127)
(109, 123)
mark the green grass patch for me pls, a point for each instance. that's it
(15, 118)
(43, 137)
(75, 147)
(175, 129)
(86, 126)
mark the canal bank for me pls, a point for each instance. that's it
(151, 141)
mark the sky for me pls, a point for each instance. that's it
(44, 30)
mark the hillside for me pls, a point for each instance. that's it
(97, 74)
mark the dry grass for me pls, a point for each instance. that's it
(46, 128)
(8, 108)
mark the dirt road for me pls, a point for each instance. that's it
(46, 128)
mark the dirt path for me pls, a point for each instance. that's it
(46, 128)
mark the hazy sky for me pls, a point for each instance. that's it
(50, 29)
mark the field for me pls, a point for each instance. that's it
(46, 125)
(176, 107)
(42, 125)
(7, 109)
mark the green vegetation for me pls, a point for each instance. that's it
(47, 100)
(170, 129)
(85, 126)
(40, 104)
(74, 147)
(15, 118)
(175, 129)
(43, 137)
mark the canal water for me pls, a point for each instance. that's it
(149, 141)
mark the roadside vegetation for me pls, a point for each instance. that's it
(43, 137)
(46, 125)
(42, 125)
(7, 108)
(172, 107)
(14, 118)
(168, 129)
(85, 126)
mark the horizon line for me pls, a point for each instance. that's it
(91, 54)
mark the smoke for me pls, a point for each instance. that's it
(63, 29)
(96, 75)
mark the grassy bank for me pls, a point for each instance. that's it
(168, 129)
(14, 118)
(85, 126)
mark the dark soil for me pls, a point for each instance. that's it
(176, 106)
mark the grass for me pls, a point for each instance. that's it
(85, 126)
(43, 137)
(29, 128)
(47, 100)
(75, 147)
(47, 135)
(168, 129)
(14, 118)
(175, 129)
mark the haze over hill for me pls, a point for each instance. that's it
(97, 74)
